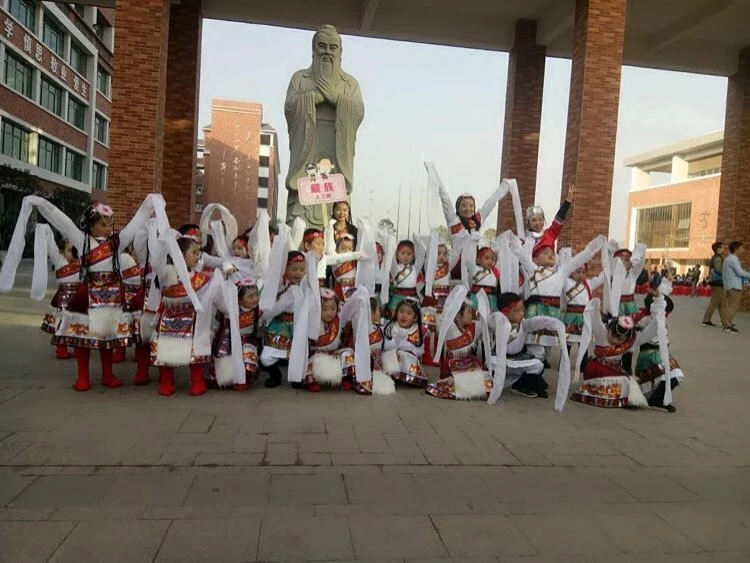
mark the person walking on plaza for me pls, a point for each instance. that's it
(715, 281)
(695, 277)
(735, 278)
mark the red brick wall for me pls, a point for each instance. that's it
(734, 195)
(181, 124)
(598, 36)
(523, 117)
(234, 134)
(101, 152)
(103, 105)
(15, 104)
(138, 94)
(703, 194)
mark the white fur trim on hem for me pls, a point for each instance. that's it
(382, 384)
(390, 362)
(173, 351)
(326, 369)
(469, 385)
(225, 372)
(104, 322)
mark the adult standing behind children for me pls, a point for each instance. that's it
(716, 282)
(735, 278)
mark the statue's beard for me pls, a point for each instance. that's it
(329, 69)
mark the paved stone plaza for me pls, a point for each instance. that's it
(283, 475)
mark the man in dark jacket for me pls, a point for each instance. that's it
(718, 295)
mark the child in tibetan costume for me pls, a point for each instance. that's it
(95, 318)
(462, 373)
(248, 315)
(189, 300)
(404, 344)
(536, 224)
(649, 366)
(462, 217)
(546, 279)
(67, 266)
(380, 383)
(405, 274)
(513, 366)
(485, 277)
(577, 292)
(331, 360)
(622, 268)
(606, 382)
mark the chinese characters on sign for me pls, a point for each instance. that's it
(321, 189)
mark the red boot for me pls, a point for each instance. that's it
(118, 355)
(241, 387)
(346, 385)
(61, 352)
(142, 361)
(197, 383)
(166, 381)
(83, 381)
(108, 378)
(313, 387)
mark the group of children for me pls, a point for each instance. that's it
(349, 308)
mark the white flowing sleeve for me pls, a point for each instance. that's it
(517, 210)
(356, 310)
(296, 233)
(45, 249)
(367, 270)
(153, 205)
(523, 256)
(638, 259)
(433, 179)
(492, 201)
(502, 332)
(259, 240)
(584, 256)
(420, 250)
(596, 282)
(298, 354)
(508, 263)
(277, 262)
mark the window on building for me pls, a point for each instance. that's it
(49, 155)
(264, 161)
(15, 142)
(18, 75)
(100, 177)
(76, 112)
(100, 129)
(263, 182)
(102, 81)
(25, 12)
(666, 226)
(51, 96)
(74, 165)
(53, 36)
(263, 202)
(78, 58)
(265, 139)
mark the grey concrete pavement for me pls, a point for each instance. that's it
(283, 475)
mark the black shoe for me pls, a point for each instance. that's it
(524, 393)
(542, 394)
(273, 381)
(546, 365)
(298, 385)
(707, 323)
(733, 328)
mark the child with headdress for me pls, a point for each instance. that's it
(248, 315)
(189, 301)
(64, 258)
(95, 318)
(404, 344)
(462, 373)
(342, 258)
(545, 281)
(513, 365)
(536, 224)
(577, 292)
(606, 380)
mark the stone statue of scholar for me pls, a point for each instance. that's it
(323, 111)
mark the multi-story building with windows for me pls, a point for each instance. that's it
(238, 162)
(55, 69)
(673, 205)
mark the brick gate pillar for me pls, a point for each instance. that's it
(523, 118)
(734, 191)
(138, 94)
(181, 123)
(598, 37)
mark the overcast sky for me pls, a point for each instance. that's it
(447, 105)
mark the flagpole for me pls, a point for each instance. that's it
(398, 214)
